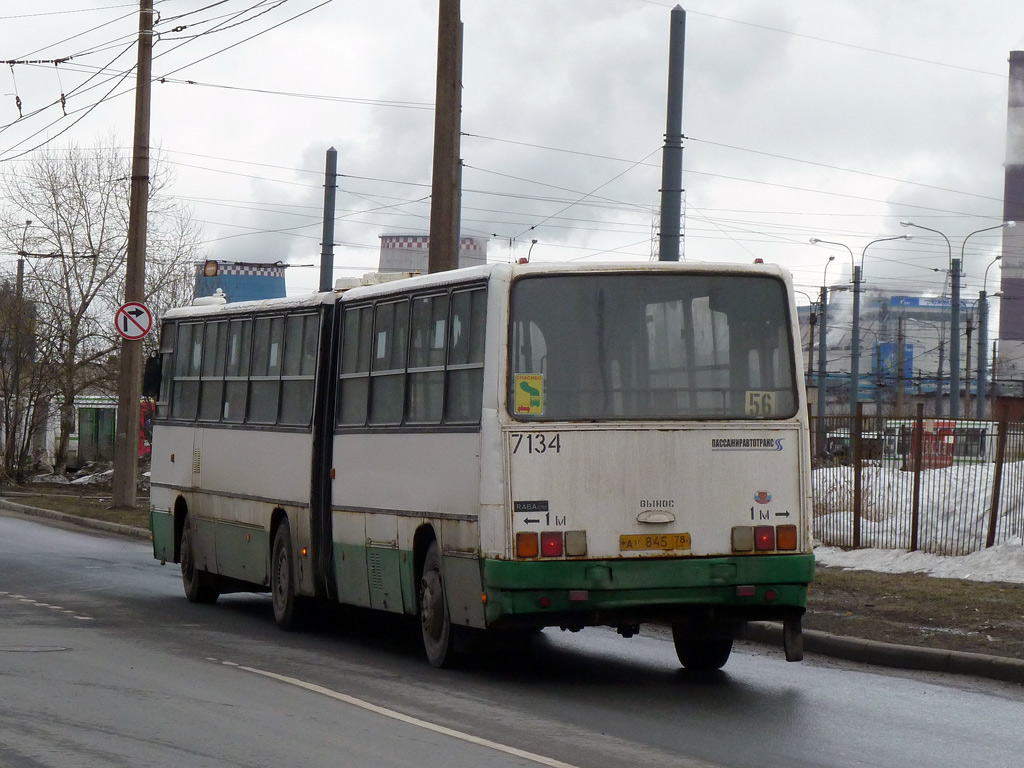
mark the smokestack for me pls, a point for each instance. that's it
(1011, 310)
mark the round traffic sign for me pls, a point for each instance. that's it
(133, 320)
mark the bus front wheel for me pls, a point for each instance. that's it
(701, 648)
(198, 584)
(435, 622)
(282, 592)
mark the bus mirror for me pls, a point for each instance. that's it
(151, 377)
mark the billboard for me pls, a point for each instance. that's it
(887, 363)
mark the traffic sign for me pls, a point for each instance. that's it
(133, 320)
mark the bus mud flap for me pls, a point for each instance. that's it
(793, 639)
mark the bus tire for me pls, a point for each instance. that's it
(435, 623)
(287, 608)
(701, 649)
(199, 585)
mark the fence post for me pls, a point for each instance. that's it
(917, 449)
(858, 427)
(997, 484)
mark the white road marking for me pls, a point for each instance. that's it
(532, 757)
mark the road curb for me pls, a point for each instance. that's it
(83, 522)
(894, 655)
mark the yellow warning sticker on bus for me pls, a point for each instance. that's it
(530, 393)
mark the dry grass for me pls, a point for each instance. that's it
(913, 609)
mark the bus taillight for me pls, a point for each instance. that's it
(551, 544)
(526, 544)
(764, 538)
(786, 537)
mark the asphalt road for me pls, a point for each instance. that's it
(104, 663)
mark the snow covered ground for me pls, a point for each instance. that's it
(1003, 562)
(954, 520)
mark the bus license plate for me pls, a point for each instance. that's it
(650, 541)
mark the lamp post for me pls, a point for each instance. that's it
(812, 320)
(855, 333)
(954, 322)
(983, 342)
(856, 316)
(822, 358)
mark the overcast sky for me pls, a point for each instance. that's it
(803, 119)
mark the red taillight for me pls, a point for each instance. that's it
(764, 538)
(551, 544)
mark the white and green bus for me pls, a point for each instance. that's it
(506, 447)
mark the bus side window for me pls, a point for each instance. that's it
(236, 370)
(265, 381)
(185, 394)
(168, 334)
(464, 391)
(387, 370)
(428, 337)
(211, 388)
(300, 342)
(354, 389)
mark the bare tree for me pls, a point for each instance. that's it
(77, 202)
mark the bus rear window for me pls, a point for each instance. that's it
(650, 346)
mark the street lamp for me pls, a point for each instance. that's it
(812, 320)
(983, 341)
(856, 289)
(855, 334)
(954, 322)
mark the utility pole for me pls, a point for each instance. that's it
(327, 246)
(444, 195)
(938, 372)
(954, 344)
(813, 320)
(899, 368)
(967, 364)
(822, 372)
(982, 352)
(129, 388)
(672, 154)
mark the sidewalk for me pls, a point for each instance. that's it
(821, 643)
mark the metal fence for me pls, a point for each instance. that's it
(943, 486)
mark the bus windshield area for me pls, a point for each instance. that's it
(661, 346)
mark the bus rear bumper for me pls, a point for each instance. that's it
(577, 593)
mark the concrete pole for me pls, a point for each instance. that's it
(672, 154)
(954, 344)
(982, 353)
(855, 345)
(822, 369)
(327, 246)
(126, 442)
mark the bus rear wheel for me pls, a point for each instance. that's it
(287, 608)
(198, 584)
(435, 623)
(701, 648)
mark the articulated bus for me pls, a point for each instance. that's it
(505, 447)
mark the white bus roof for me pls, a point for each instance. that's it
(372, 286)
